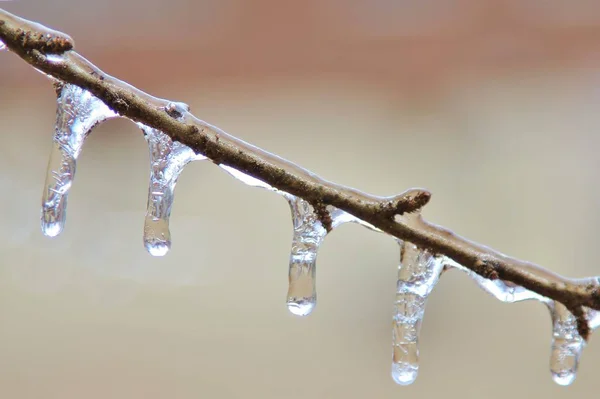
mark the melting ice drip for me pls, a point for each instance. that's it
(567, 344)
(78, 111)
(418, 273)
(309, 234)
(167, 161)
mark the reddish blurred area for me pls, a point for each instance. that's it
(407, 45)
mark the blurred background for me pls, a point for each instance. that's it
(492, 105)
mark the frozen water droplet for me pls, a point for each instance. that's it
(2, 46)
(567, 344)
(308, 236)
(176, 109)
(167, 161)
(302, 307)
(418, 273)
(157, 237)
(404, 373)
(78, 111)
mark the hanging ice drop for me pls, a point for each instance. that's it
(78, 111)
(567, 344)
(418, 273)
(308, 236)
(167, 161)
(2, 46)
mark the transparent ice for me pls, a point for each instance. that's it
(418, 273)
(246, 179)
(309, 234)
(167, 161)
(78, 111)
(567, 344)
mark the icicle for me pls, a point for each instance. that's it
(308, 236)
(78, 111)
(309, 233)
(167, 160)
(567, 344)
(418, 273)
(2, 46)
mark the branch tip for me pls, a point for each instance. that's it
(28, 35)
(410, 201)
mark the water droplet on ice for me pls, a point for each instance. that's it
(418, 273)
(157, 237)
(302, 307)
(167, 161)
(404, 373)
(78, 111)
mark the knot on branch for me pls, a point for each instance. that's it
(45, 43)
(323, 215)
(176, 110)
(30, 36)
(487, 269)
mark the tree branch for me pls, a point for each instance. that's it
(51, 52)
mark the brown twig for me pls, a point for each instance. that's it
(51, 52)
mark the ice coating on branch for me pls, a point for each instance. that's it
(418, 273)
(246, 179)
(167, 161)
(78, 111)
(504, 291)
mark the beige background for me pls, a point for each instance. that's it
(492, 105)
